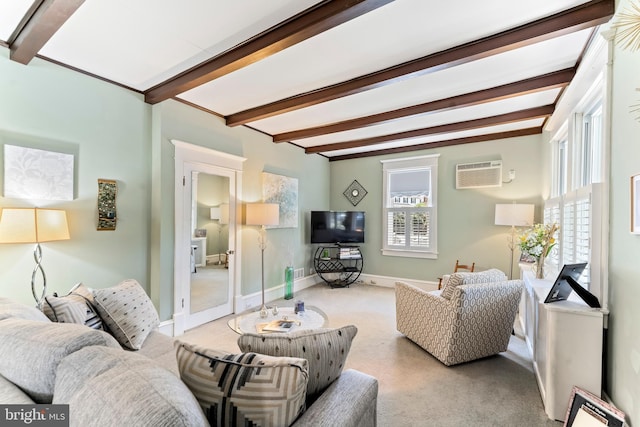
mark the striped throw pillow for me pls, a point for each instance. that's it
(245, 389)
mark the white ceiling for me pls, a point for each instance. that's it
(146, 43)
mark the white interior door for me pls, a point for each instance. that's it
(206, 241)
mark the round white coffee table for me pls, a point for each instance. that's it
(250, 322)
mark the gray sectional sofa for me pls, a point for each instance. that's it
(105, 385)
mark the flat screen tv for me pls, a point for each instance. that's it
(566, 282)
(337, 227)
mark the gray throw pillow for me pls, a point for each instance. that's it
(325, 349)
(128, 312)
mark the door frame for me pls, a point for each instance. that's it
(188, 156)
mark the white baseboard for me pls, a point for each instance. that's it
(390, 282)
(247, 302)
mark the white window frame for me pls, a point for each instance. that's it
(582, 207)
(405, 164)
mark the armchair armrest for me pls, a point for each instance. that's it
(350, 401)
(425, 318)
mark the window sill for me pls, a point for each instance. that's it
(409, 254)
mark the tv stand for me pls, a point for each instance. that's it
(338, 265)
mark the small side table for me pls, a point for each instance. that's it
(311, 318)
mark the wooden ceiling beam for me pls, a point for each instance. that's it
(311, 22)
(584, 16)
(544, 82)
(38, 26)
(527, 114)
(444, 143)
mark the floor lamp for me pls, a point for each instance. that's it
(32, 225)
(515, 215)
(263, 214)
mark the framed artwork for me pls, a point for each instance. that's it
(282, 190)
(588, 410)
(355, 192)
(635, 204)
(37, 174)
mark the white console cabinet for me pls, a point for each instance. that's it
(200, 255)
(565, 342)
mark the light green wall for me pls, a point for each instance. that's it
(184, 123)
(466, 229)
(115, 135)
(107, 129)
(623, 365)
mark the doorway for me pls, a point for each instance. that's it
(205, 278)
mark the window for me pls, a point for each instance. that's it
(578, 215)
(591, 147)
(577, 203)
(409, 207)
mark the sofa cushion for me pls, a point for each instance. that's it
(244, 389)
(326, 351)
(128, 312)
(75, 307)
(31, 350)
(111, 387)
(489, 276)
(10, 308)
(159, 348)
(11, 393)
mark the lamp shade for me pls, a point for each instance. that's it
(514, 214)
(29, 225)
(263, 214)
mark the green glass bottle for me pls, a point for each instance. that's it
(288, 282)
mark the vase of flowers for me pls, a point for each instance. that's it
(538, 242)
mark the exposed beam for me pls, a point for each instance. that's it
(311, 22)
(439, 144)
(536, 84)
(571, 20)
(528, 114)
(40, 26)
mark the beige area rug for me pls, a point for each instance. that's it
(415, 389)
(209, 285)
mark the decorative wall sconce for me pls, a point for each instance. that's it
(107, 217)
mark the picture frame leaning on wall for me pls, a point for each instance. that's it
(588, 410)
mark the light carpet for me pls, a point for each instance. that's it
(415, 389)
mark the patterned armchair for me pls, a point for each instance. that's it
(471, 318)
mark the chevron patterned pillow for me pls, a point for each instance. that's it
(244, 389)
(75, 307)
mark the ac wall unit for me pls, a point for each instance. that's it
(479, 175)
